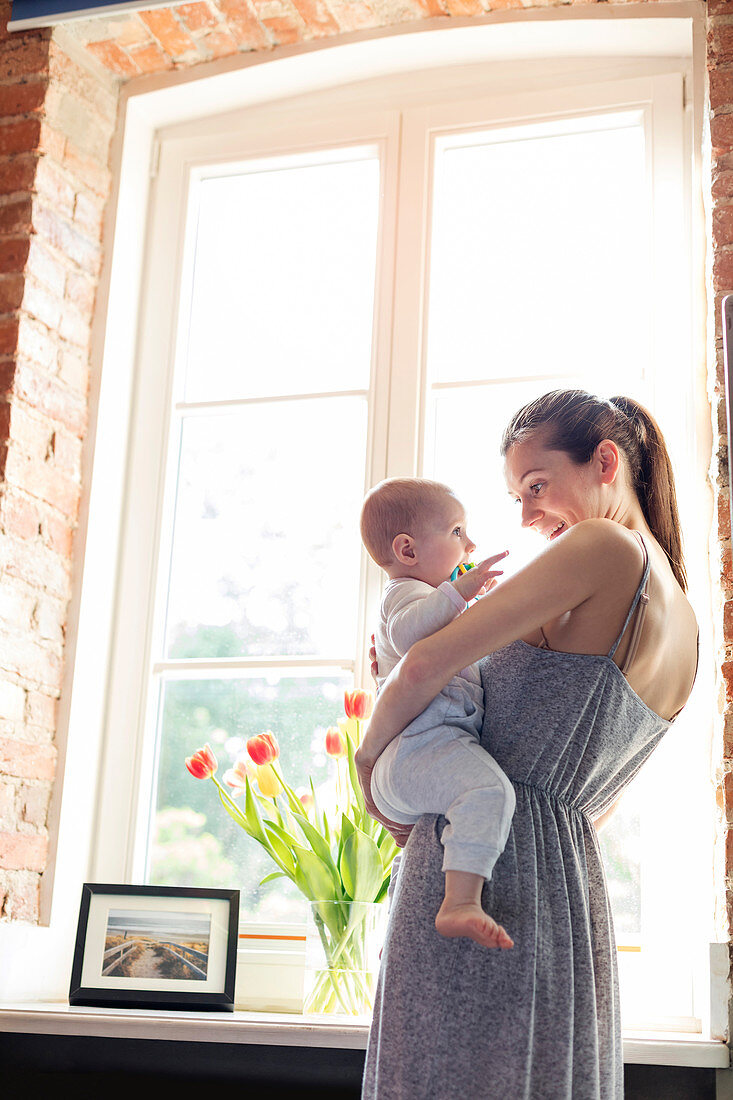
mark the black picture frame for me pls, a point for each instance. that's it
(144, 913)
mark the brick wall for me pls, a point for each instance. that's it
(55, 128)
(56, 123)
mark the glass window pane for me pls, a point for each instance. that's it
(540, 255)
(266, 546)
(283, 281)
(193, 841)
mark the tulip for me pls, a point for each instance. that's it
(335, 742)
(307, 800)
(267, 781)
(358, 704)
(202, 764)
(263, 748)
(236, 776)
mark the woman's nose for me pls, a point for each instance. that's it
(529, 513)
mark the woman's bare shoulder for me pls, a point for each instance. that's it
(602, 546)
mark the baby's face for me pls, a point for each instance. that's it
(443, 542)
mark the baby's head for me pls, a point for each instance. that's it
(414, 527)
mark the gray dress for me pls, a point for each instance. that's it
(541, 1021)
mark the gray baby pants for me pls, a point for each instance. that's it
(444, 770)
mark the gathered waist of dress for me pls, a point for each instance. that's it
(556, 799)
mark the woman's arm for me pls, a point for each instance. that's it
(593, 556)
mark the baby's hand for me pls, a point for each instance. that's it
(479, 580)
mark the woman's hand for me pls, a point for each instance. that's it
(400, 833)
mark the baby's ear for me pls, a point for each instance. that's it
(403, 548)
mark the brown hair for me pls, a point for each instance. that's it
(395, 506)
(576, 422)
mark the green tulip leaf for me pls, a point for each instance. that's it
(274, 874)
(314, 879)
(361, 867)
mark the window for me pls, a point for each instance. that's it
(345, 289)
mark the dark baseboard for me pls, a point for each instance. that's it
(86, 1066)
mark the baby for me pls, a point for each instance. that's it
(415, 529)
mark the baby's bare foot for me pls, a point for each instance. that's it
(471, 921)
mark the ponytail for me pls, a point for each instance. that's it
(654, 484)
(576, 422)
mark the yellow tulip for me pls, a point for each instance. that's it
(267, 780)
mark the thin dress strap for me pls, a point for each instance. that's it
(643, 596)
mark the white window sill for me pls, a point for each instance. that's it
(273, 1029)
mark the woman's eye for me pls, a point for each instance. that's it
(535, 489)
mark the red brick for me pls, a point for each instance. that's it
(721, 134)
(20, 896)
(22, 98)
(8, 346)
(151, 59)
(15, 216)
(23, 55)
(721, 88)
(197, 17)
(67, 239)
(353, 15)
(43, 481)
(243, 24)
(19, 516)
(54, 188)
(42, 304)
(45, 268)
(87, 172)
(74, 370)
(11, 292)
(31, 433)
(722, 186)
(113, 57)
(26, 760)
(428, 7)
(723, 270)
(318, 19)
(18, 173)
(49, 397)
(13, 254)
(88, 214)
(19, 137)
(23, 853)
(464, 7)
(41, 711)
(219, 43)
(34, 804)
(162, 23)
(7, 803)
(284, 30)
(131, 33)
(57, 533)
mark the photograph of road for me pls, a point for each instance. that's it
(144, 944)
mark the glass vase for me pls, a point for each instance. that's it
(343, 943)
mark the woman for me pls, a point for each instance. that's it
(589, 652)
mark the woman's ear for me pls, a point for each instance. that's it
(609, 459)
(403, 548)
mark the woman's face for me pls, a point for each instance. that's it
(553, 491)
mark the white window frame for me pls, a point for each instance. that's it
(398, 388)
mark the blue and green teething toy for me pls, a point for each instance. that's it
(461, 569)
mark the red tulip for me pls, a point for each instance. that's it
(263, 748)
(335, 742)
(307, 800)
(202, 764)
(358, 704)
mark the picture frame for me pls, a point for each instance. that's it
(169, 947)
